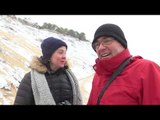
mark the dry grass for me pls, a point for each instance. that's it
(8, 95)
(85, 93)
(13, 58)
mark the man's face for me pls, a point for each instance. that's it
(107, 47)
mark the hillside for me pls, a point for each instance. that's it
(18, 43)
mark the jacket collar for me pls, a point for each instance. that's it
(37, 65)
(108, 66)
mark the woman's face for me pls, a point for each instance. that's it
(58, 58)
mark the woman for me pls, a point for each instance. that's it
(50, 81)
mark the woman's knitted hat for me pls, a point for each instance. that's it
(50, 45)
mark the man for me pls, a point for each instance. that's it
(136, 83)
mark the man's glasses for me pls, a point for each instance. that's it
(104, 42)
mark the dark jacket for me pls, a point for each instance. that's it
(137, 84)
(59, 84)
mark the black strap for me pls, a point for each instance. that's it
(115, 74)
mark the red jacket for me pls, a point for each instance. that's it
(137, 84)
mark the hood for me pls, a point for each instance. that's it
(37, 65)
(108, 66)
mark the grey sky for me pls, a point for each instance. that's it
(142, 31)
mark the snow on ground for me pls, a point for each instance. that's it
(79, 53)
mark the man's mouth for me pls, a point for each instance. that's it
(105, 55)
